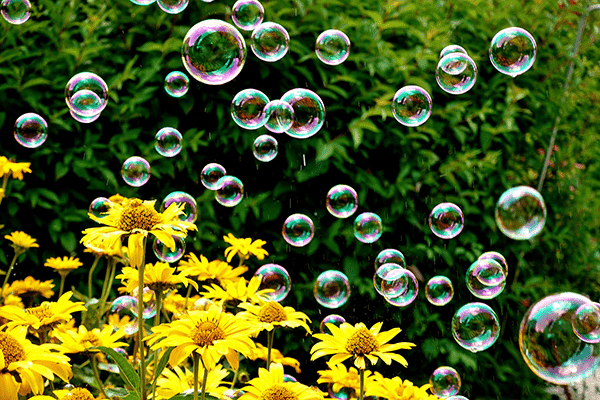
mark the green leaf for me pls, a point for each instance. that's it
(68, 241)
(128, 374)
(164, 359)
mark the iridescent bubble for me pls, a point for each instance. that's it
(211, 174)
(513, 51)
(475, 327)
(165, 254)
(135, 171)
(172, 6)
(453, 48)
(232, 394)
(439, 290)
(332, 289)
(332, 47)
(458, 397)
(381, 274)
(499, 258)
(521, 213)
(248, 108)
(395, 283)
(202, 304)
(16, 12)
(289, 378)
(445, 382)
(270, 41)
(344, 393)
(279, 116)
(190, 209)
(127, 306)
(86, 103)
(390, 256)
(586, 322)
(265, 148)
(247, 14)
(177, 84)
(277, 278)
(407, 296)
(230, 191)
(456, 73)
(31, 130)
(486, 279)
(309, 112)
(100, 207)
(342, 201)
(143, 2)
(368, 227)
(213, 52)
(168, 142)
(411, 106)
(82, 119)
(334, 319)
(298, 230)
(87, 81)
(446, 220)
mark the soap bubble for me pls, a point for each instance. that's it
(143, 2)
(202, 304)
(232, 394)
(211, 174)
(342, 201)
(456, 73)
(177, 84)
(31, 130)
(86, 103)
(395, 283)
(87, 81)
(165, 254)
(439, 290)
(408, 295)
(298, 230)
(279, 116)
(586, 322)
(475, 327)
(521, 213)
(309, 112)
(230, 191)
(453, 48)
(289, 378)
(445, 382)
(16, 12)
(446, 220)
(344, 393)
(127, 306)
(135, 171)
(168, 142)
(458, 397)
(190, 209)
(270, 41)
(248, 108)
(82, 119)
(334, 319)
(333, 47)
(265, 148)
(172, 6)
(100, 207)
(486, 279)
(381, 275)
(390, 256)
(247, 14)
(499, 258)
(332, 289)
(277, 278)
(213, 52)
(513, 51)
(368, 227)
(411, 106)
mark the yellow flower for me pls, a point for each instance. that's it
(63, 264)
(270, 314)
(17, 169)
(21, 241)
(64, 394)
(216, 270)
(240, 291)
(82, 340)
(30, 287)
(276, 356)
(160, 276)
(270, 386)
(118, 199)
(360, 343)
(101, 250)
(341, 377)
(171, 383)
(244, 247)
(397, 389)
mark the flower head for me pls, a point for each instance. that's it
(17, 169)
(21, 241)
(341, 377)
(241, 291)
(160, 276)
(216, 270)
(397, 389)
(63, 264)
(83, 341)
(270, 386)
(244, 247)
(270, 314)
(276, 356)
(171, 383)
(30, 287)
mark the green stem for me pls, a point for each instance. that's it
(94, 363)
(362, 384)
(158, 294)
(204, 379)
(196, 358)
(111, 268)
(187, 296)
(105, 285)
(270, 336)
(156, 355)
(5, 180)
(140, 319)
(62, 285)
(90, 275)
(235, 378)
(12, 264)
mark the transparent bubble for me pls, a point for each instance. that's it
(456, 73)
(332, 289)
(277, 278)
(135, 171)
(395, 283)
(143, 2)
(475, 327)
(513, 51)
(168, 142)
(458, 397)
(521, 213)
(345, 393)
(453, 48)
(87, 81)
(411, 106)
(298, 230)
(586, 322)
(190, 209)
(334, 319)
(289, 378)
(368, 227)
(100, 207)
(332, 47)
(165, 254)
(232, 394)
(177, 84)
(16, 12)
(279, 116)
(439, 290)
(172, 6)
(202, 304)
(381, 275)
(31, 130)
(213, 52)
(69, 387)
(247, 14)
(446, 220)
(409, 294)
(265, 148)
(445, 382)
(82, 119)
(342, 201)
(248, 108)
(127, 306)
(270, 41)
(486, 279)
(309, 112)
(230, 191)
(211, 174)
(390, 256)
(499, 258)
(86, 103)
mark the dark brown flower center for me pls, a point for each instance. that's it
(361, 342)
(137, 215)
(271, 312)
(11, 349)
(278, 392)
(206, 332)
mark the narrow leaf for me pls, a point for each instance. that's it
(128, 374)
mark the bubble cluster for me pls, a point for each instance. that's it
(475, 327)
(456, 73)
(279, 116)
(265, 148)
(309, 112)
(445, 382)
(177, 84)
(485, 279)
(453, 48)
(446, 220)
(85, 103)
(16, 12)
(390, 256)
(334, 319)
(381, 275)
(100, 207)
(411, 106)
(298, 230)
(168, 142)
(172, 6)
(439, 290)
(368, 227)
(86, 95)
(513, 51)
(31, 130)
(165, 254)
(248, 108)
(332, 47)
(332, 289)
(270, 41)
(247, 14)
(210, 175)
(586, 322)
(401, 278)
(127, 307)
(521, 213)
(276, 278)
(341, 201)
(230, 191)
(135, 171)
(494, 255)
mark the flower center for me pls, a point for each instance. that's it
(40, 312)
(362, 342)
(11, 349)
(91, 338)
(78, 394)
(206, 333)
(278, 392)
(271, 312)
(138, 216)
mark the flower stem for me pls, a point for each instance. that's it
(196, 358)
(94, 363)
(187, 296)
(62, 285)
(12, 264)
(270, 336)
(5, 178)
(204, 379)
(112, 266)
(90, 274)
(235, 378)
(362, 384)
(140, 319)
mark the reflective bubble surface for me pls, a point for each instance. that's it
(100, 207)
(401, 278)
(475, 327)
(277, 278)
(521, 213)
(247, 14)
(332, 289)
(446, 220)
(87, 81)
(344, 393)
(439, 290)
(16, 12)
(445, 382)
(190, 209)
(86, 103)
(31, 130)
(494, 255)
(265, 148)
(166, 254)
(135, 171)
(332, 47)
(390, 256)
(247, 108)
(485, 279)
(168, 142)
(177, 84)
(210, 175)
(172, 6)
(127, 309)
(513, 51)
(279, 115)
(334, 319)
(453, 48)
(586, 322)
(368, 227)
(411, 106)
(82, 119)
(456, 73)
(270, 41)
(230, 191)
(309, 112)
(298, 230)
(341, 201)
(381, 275)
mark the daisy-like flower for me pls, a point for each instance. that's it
(270, 314)
(21, 241)
(176, 303)
(101, 250)
(216, 270)
(82, 340)
(359, 343)
(244, 248)
(171, 383)
(17, 169)
(30, 287)
(157, 277)
(270, 386)
(397, 389)
(242, 291)
(65, 264)
(68, 394)
(341, 377)
(261, 352)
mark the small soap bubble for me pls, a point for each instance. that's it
(499, 258)
(381, 275)
(390, 256)
(247, 14)
(16, 12)
(334, 319)
(265, 148)
(395, 283)
(485, 279)
(232, 394)
(586, 322)
(368, 227)
(143, 2)
(513, 51)
(86, 81)
(82, 119)
(165, 254)
(202, 304)
(270, 41)
(100, 207)
(298, 230)
(408, 295)
(521, 213)
(190, 209)
(445, 382)
(446, 220)
(211, 174)
(172, 6)
(289, 378)
(456, 73)
(309, 112)
(277, 278)
(31, 130)
(279, 116)
(342, 201)
(475, 327)
(332, 289)
(213, 52)
(177, 84)
(168, 142)
(439, 290)
(69, 387)
(135, 171)
(344, 393)
(411, 106)
(332, 47)
(248, 108)
(127, 307)
(86, 103)
(230, 191)
(453, 48)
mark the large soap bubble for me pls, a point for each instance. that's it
(247, 108)
(456, 73)
(270, 41)
(332, 289)
(475, 327)
(276, 278)
(521, 213)
(309, 112)
(16, 12)
(247, 14)
(31, 130)
(513, 51)
(411, 106)
(332, 47)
